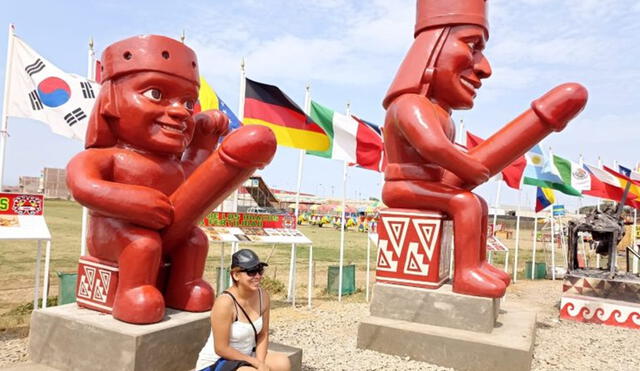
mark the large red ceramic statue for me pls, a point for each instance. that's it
(151, 170)
(441, 72)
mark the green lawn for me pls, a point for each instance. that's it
(17, 260)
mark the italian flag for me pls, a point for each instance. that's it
(350, 139)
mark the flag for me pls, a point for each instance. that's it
(40, 91)
(208, 99)
(572, 174)
(269, 106)
(544, 198)
(632, 174)
(634, 187)
(541, 171)
(512, 174)
(350, 139)
(605, 185)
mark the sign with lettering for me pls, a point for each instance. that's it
(22, 217)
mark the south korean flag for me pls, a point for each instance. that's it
(41, 91)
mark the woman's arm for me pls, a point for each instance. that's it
(263, 336)
(222, 317)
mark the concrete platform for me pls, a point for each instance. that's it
(508, 347)
(439, 307)
(70, 338)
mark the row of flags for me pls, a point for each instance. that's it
(550, 172)
(41, 91)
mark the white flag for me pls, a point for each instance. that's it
(41, 91)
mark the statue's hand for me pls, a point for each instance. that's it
(210, 124)
(475, 174)
(150, 208)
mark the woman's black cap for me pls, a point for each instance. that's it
(246, 259)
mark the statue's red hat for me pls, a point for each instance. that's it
(431, 13)
(149, 53)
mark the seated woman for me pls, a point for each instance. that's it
(240, 323)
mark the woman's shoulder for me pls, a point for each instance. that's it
(223, 302)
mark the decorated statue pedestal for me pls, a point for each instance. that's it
(414, 312)
(71, 338)
(601, 300)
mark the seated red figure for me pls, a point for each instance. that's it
(151, 170)
(441, 72)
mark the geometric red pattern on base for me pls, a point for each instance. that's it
(413, 248)
(600, 311)
(97, 283)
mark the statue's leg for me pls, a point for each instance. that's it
(466, 210)
(186, 290)
(483, 252)
(469, 277)
(138, 252)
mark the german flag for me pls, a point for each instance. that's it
(268, 106)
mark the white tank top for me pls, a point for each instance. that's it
(241, 338)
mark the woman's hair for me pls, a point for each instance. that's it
(235, 270)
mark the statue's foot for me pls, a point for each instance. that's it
(140, 305)
(195, 296)
(477, 282)
(499, 273)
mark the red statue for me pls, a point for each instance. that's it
(441, 72)
(151, 170)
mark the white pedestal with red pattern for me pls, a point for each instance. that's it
(97, 283)
(414, 248)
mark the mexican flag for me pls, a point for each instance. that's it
(351, 139)
(556, 173)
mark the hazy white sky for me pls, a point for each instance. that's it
(349, 51)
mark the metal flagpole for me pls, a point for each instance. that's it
(342, 221)
(4, 134)
(292, 267)
(535, 245)
(495, 215)
(515, 258)
(635, 233)
(243, 89)
(91, 75)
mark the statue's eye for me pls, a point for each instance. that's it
(189, 104)
(472, 45)
(153, 94)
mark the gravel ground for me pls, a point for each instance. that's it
(328, 336)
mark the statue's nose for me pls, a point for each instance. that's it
(481, 66)
(177, 112)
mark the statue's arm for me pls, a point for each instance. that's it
(209, 127)
(88, 179)
(418, 122)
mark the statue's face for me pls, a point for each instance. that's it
(155, 112)
(460, 67)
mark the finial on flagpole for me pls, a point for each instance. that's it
(242, 64)
(183, 36)
(91, 43)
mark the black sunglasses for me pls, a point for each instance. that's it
(252, 272)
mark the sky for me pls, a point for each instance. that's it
(348, 52)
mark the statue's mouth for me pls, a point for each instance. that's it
(469, 85)
(178, 129)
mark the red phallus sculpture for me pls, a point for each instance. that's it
(151, 170)
(441, 72)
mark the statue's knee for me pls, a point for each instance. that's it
(148, 245)
(466, 201)
(198, 238)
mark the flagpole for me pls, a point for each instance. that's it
(462, 138)
(91, 75)
(535, 245)
(292, 279)
(241, 99)
(4, 134)
(495, 215)
(515, 258)
(342, 221)
(634, 233)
